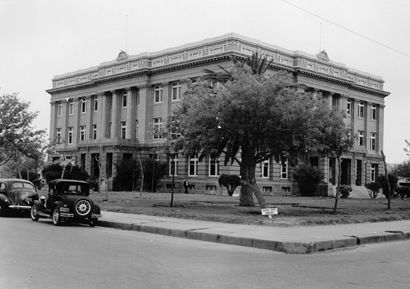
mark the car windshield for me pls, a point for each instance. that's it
(21, 185)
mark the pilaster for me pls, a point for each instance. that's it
(53, 121)
(130, 130)
(102, 130)
(114, 115)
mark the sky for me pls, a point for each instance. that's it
(43, 38)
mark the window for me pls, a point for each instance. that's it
(82, 132)
(176, 91)
(175, 133)
(70, 135)
(156, 127)
(123, 129)
(374, 171)
(157, 94)
(94, 131)
(71, 108)
(349, 106)
(373, 141)
(361, 138)
(193, 82)
(95, 104)
(173, 165)
(361, 109)
(124, 99)
(213, 166)
(284, 170)
(373, 112)
(335, 101)
(265, 169)
(59, 109)
(83, 106)
(58, 135)
(193, 166)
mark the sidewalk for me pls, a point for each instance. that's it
(293, 240)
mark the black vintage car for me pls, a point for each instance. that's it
(67, 201)
(16, 194)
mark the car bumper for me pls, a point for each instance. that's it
(20, 207)
(71, 215)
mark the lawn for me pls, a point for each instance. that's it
(293, 210)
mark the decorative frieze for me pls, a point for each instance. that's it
(231, 43)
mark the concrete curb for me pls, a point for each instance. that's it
(280, 246)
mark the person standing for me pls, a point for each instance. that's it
(186, 185)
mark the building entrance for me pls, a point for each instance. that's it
(346, 167)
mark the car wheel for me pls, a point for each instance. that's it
(3, 209)
(83, 208)
(56, 217)
(92, 222)
(33, 213)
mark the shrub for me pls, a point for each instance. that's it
(231, 182)
(128, 173)
(373, 188)
(154, 170)
(344, 191)
(52, 172)
(308, 179)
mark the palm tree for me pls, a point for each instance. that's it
(257, 63)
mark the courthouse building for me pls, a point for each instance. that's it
(115, 110)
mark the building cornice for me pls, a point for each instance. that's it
(212, 50)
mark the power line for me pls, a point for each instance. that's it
(347, 29)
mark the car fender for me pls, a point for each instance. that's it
(57, 203)
(3, 198)
(96, 209)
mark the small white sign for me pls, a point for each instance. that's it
(269, 212)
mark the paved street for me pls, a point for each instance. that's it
(39, 255)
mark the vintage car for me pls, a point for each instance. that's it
(16, 194)
(67, 201)
(403, 188)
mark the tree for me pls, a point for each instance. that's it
(333, 140)
(407, 148)
(253, 118)
(17, 136)
(402, 170)
(230, 182)
(68, 171)
(128, 173)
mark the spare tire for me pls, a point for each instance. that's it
(82, 208)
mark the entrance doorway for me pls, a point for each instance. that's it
(358, 172)
(346, 178)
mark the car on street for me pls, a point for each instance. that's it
(67, 201)
(16, 194)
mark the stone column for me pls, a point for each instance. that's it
(89, 118)
(102, 130)
(130, 130)
(145, 114)
(330, 96)
(76, 123)
(380, 129)
(53, 121)
(114, 115)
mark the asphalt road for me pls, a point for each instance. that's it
(40, 255)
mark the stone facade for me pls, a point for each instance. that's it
(105, 113)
